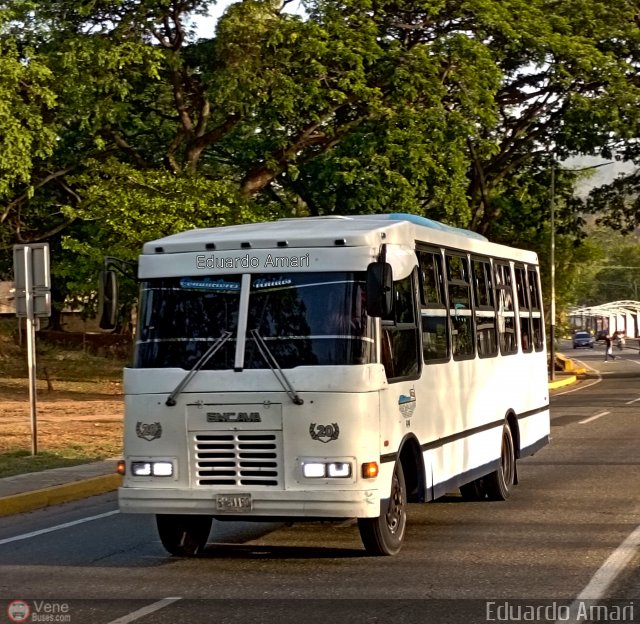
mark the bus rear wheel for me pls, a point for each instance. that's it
(384, 535)
(499, 483)
(183, 535)
(474, 491)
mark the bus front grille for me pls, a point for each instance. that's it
(237, 458)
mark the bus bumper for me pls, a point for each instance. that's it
(279, 504)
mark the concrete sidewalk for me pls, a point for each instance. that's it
(35, 490)
(26, 492)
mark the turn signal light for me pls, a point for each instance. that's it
(370, 470)
(122, 467)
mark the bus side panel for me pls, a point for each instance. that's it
(457, 411)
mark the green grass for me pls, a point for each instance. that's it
(22, 461)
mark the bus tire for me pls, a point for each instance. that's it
(384, 535)
(183, 535)
(499, 483)
(474, 491)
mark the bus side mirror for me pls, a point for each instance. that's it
(379, 289)
(108, 300)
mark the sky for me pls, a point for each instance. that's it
(603, 172)
(207, 25)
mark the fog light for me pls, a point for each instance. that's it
(162, 469)
(341, 469)
(141, 469)
(313, 471)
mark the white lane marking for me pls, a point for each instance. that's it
(582, 386)
(610, 569)
(586, 420)
(606, 575)
(155, 606)
(615, 563)
(57, 527)
(632, 401)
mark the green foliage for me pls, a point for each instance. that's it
(120, 126)
(26, 97)
(617, 276)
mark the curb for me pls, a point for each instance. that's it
(559, 383)
(28, 501)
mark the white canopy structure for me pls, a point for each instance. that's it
(623, 316)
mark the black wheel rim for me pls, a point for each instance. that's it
(396, 511)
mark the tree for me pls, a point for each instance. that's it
(455, 109)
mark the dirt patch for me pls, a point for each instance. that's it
(77, 421)
(79, 406)
(86, 426)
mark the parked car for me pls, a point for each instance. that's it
(583, 339)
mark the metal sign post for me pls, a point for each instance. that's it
(32, 279)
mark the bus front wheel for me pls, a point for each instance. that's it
(183, 535)
(499, 483)
(384, 535)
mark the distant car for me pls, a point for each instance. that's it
(583, 339)
(601, 334)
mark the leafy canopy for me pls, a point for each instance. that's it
(118, 124)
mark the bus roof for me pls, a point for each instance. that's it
(325, 231)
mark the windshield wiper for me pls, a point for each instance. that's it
(275, 367)
(206, 356)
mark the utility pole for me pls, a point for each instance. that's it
(552, 254)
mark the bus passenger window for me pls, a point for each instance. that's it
(485, 307)
(536, 310)
(506, 310)
(459, 288)
(400, 336)
(433, 312)
(524, 311)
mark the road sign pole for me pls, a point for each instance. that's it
(31, 348)
(32, 278)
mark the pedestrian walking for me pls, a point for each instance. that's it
(608, 348)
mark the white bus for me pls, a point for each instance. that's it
(328, 368)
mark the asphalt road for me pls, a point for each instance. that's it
(567, 538)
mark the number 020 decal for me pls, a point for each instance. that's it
(324, 433)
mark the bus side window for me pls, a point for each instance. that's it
(433, 311)
(485, 307)
(460, 310)
(537, 323)
(506, 310)
(524, 310)
(400, 337)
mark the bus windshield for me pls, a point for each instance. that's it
(305, 319)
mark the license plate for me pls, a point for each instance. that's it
(233, 502)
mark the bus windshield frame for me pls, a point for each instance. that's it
(306, 319)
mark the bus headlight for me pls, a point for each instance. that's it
(141, 469)
(152, 468)
(339, 469)
(313, 470)
(326, 469)
(162, 469)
